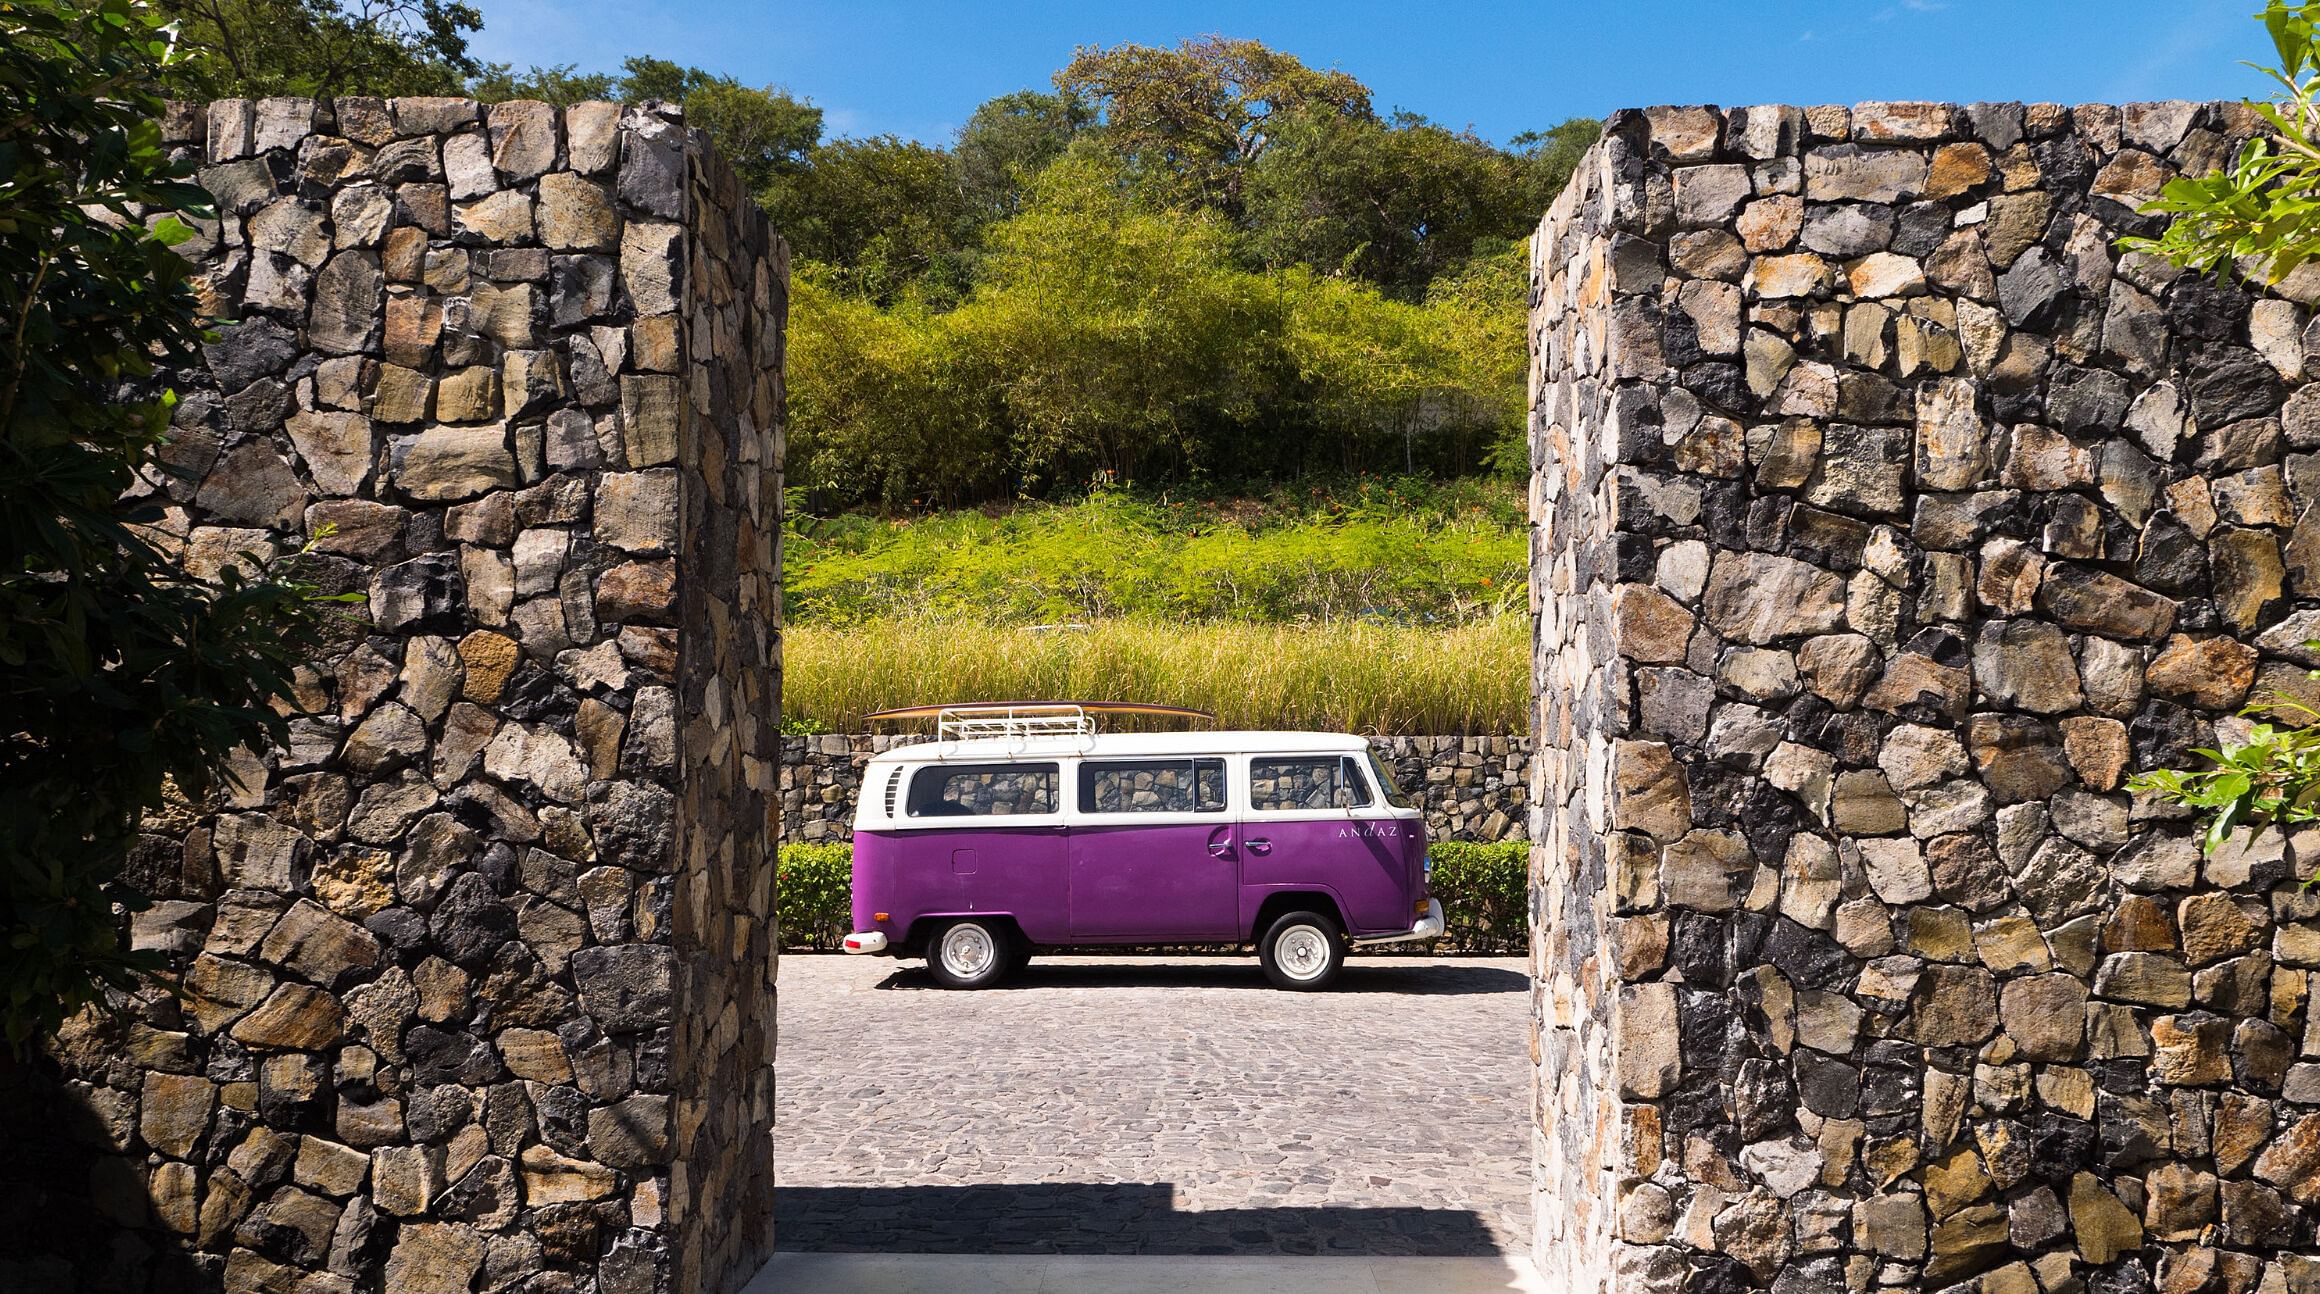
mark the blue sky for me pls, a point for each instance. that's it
(917, 69)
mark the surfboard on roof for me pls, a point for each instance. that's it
(936, 710)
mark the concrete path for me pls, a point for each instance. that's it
(792, 1273)
(1155, 1106)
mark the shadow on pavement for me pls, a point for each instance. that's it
(1104, 1218)
(1433, 979)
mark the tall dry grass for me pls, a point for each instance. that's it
(1472, 678)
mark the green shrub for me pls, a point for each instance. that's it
(814, 895)
(1484, 889)
(1485, 894)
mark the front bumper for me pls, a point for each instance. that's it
(1429, 926)
(869, 941)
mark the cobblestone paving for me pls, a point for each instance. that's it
(1159, 1106)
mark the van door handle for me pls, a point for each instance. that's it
(1260, 845)
(1220, 844)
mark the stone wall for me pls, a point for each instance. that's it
(1578, 701)
(1888, 519)
(478, 975)
(729, 671)
(1472, 788)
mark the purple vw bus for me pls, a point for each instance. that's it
(1020, 827)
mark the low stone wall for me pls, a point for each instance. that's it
(1472, 788)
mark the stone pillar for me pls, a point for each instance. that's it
(479, 969)
(1888, 520)
(729, 671)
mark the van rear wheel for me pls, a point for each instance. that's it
(969, 954)
(1302, 950)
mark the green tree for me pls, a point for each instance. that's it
(1431, 386)
(1238, 273)
(1391, 203)
(1125, 338)
(118, 673)
(1369, 364)
(1008, 141)
(562, 84)
(887, 212)
(317, 47)
(1549, 157)
(1478, 315)
(1192, 120)
(644, 77)
(765, 134)
(896, 406)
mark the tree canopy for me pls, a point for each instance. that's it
(265, 47)
(1011, 139)
(1212, 262)
(1194, 119)
(1390, 203)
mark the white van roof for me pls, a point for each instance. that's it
(1123, 745)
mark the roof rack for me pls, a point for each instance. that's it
(1017, 722)
(1026, 720)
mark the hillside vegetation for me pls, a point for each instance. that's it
(1392, 606)
(1413, 555)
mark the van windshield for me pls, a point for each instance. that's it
(1395, 796)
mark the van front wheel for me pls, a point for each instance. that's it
(1302, 950)
(969, 954)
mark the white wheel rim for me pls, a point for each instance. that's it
(1302, 952)
(968, 951)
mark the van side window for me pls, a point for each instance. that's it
(1152, 786)
(982, 790)
(1306, 782)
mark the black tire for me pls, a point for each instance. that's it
(951, 953)
(1294, 970)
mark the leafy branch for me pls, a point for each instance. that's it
(2262, 211)
(2270, 780)
(121, 675)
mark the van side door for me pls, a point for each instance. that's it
(1314, 821)
(1154, 850)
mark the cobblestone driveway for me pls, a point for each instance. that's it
(1158, 1106)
